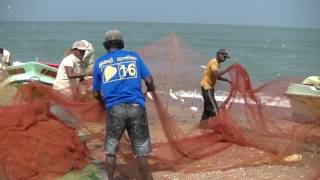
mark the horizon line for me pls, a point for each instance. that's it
(100, 21)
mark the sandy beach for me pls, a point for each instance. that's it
(228, 164)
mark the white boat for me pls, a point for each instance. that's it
(31, 71)
(304, 102)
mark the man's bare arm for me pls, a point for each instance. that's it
(149, 83)
(73, 75)
(218, 73)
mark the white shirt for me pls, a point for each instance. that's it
(88, 57)
(62, 82)
(5, 57)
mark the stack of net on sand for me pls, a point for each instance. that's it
(35, 144)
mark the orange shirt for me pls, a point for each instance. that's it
(209, 79)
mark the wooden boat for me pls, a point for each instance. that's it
(31, 71)
(305, 102)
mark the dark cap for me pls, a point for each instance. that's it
(113, 35)
(224, 52)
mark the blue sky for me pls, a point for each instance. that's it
(286, 13)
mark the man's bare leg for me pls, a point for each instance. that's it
(111, 165)
(144, 168)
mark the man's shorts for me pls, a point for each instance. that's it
(133, 118)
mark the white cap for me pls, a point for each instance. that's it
(85, 41)
(81, 45)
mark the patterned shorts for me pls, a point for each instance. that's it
(133, 118)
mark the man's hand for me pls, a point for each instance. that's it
(98, 96)
(148, 94)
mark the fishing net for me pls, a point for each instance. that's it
(45, 135)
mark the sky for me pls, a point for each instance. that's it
(283, 13)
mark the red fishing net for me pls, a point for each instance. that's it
(254, 128)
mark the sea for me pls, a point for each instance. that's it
(265, 52)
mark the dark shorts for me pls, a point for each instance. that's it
(133, 118)
(210, 105)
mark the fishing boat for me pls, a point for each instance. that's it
(304, 102)
(31, 71)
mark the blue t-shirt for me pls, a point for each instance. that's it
(117, 75)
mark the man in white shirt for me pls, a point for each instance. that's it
(70, 70)
(5, 58)
(69, 73)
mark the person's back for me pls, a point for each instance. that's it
(122, 77)
(117, 79)
(209, 79)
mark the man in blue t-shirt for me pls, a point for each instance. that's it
(117, 77)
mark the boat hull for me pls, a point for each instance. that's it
(31, 71)
(304, 102)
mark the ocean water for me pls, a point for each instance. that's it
(266, 52)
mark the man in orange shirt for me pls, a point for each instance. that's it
(211, 75)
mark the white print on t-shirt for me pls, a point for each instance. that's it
(107, 61)
(120, 71)
(125, 58)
